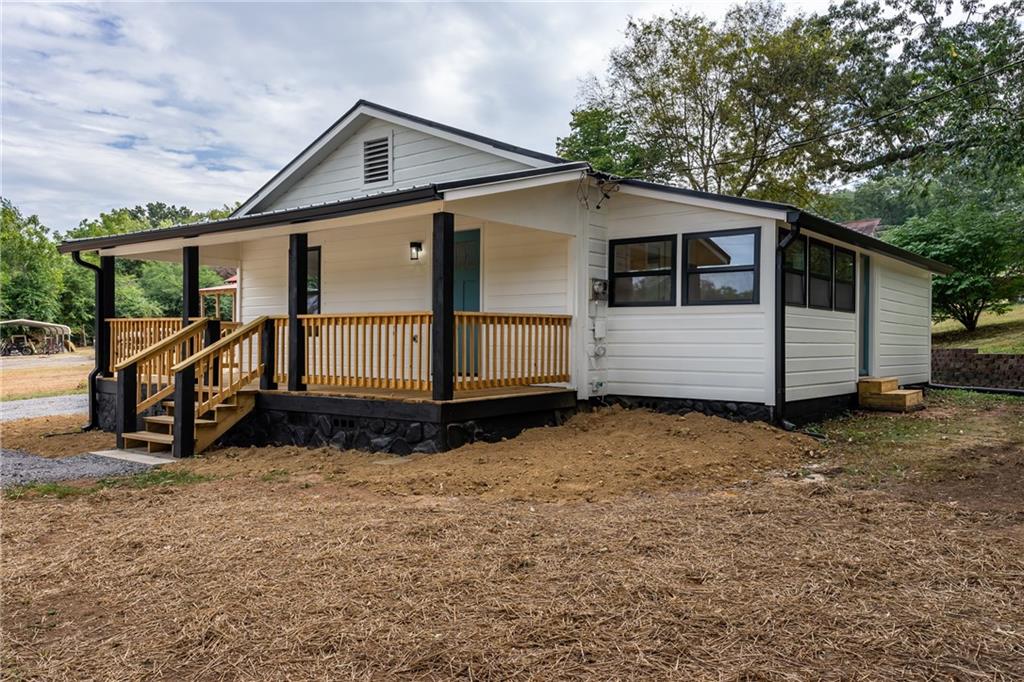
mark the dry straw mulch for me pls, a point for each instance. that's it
(54, 436)
(242, 579)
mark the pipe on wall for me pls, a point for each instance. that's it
(94, 422)
(780, 317)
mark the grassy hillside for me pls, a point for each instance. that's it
(995, 333)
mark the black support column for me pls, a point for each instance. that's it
(298, 302)
(104, 312)
(190, 284)
(442, 340)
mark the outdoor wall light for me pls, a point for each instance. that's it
(415, 249)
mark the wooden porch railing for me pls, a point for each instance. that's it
(130, 336)
(153, 374)
(375, 350)
(392, 350)
(223, 368)
(510, 349)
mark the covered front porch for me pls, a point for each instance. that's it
(464, 356)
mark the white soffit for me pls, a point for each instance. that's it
(703, 202)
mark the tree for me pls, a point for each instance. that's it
(31, 275)
(687, 100)
(600, 136)
(902, 51)
(985, 246)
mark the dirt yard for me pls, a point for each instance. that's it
(37, 376)
(624, 545)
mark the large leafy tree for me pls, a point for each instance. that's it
(31, 276)
(713, 106)
(986, 247)
(909, 83)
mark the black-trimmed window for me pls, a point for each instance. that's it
(313, 280)
(820, 271)
(846, 278)
(721, 268)
(642, 271)
(794, 267)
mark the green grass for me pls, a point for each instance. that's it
(149, 479)
(995, 333)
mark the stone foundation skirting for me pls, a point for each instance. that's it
(736, 411)
(968, 367)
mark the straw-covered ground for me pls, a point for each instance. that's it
(594, 550)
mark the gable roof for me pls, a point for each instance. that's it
(354, 118)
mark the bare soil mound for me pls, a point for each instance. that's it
(593, 456)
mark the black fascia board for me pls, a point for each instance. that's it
(842, 233)
(810, 221)
(310, 213)
(336, 209)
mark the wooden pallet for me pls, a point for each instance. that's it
(884, 393)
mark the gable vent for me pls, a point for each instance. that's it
(377, 160)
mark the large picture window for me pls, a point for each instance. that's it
(795, 269)
(819, 290)
(846, 277)
(313, 280)
(721, 267)
(642, 271)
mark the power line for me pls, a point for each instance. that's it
(858, 126)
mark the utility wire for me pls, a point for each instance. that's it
(858, 126)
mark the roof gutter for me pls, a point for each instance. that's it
(94, 420)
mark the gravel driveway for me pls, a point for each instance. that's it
(18, 468)
(44, 407)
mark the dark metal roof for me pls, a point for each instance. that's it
(303, 214)
(803, 218)
(435, 191)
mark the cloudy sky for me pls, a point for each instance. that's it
(108, 105)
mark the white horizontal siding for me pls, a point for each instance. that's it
(700, 352)
(367, 269)
(903, 326)
(524, 270)
(821, 353)
(263, 278)
(418, 159)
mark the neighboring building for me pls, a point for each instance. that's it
(405, 285)
(869, 226)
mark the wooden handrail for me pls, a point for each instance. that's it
(177, 337)
(223, 343)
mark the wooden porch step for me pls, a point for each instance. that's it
(154, 442)
(900, 400)
(870, 385)
(167, 420)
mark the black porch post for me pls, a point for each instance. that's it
(298, 304)
(104, 312)
(442, 339)
(269, 358)
(190, 284)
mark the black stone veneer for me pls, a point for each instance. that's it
(737, 411)
(378, 434)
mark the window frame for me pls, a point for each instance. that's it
(672, 272)
(836, 250)
(783, 232)
(831, 277)
(755, 266)
(319, 280)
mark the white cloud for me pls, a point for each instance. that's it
(198, 104)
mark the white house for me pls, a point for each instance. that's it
(405, 285)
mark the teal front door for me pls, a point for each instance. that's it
(467, 298)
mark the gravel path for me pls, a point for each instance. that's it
(18, 468)
(44, 407)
